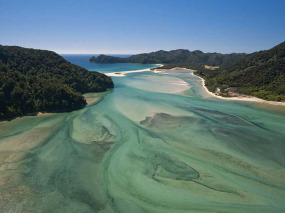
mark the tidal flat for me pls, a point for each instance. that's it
(155, 143)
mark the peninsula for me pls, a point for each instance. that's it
(175, 58)
(34, 80)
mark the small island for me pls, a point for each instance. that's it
(34, 80)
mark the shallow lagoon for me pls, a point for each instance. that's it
(147, 147)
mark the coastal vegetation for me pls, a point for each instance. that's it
(261, 74)
(38, 80)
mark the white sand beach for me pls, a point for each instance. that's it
(123, 73)
(157, 70)
(239, 98)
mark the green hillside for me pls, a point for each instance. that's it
(261, 74)
(180, 57)
(38, 80)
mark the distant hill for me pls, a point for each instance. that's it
(180, 57)
(261, 74)
(38, 80)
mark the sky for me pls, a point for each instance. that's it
(138, 26)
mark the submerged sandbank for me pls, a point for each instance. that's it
(165, 84)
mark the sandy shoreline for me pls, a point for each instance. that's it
(89, 101)
(36, 114)
(123, 73)
(239, 98)
(92, 100)
(157, 70)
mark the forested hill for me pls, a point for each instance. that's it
(261, 74)
(173, 58)
(38, 80)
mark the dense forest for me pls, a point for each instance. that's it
(195, 59)
(261, 74)
(38, 80)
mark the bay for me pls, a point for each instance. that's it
(155, 143)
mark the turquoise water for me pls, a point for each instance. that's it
(152, 144)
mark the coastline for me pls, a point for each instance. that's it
(238, 98)
(35, 114)
(91, 98)
(123, 73)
